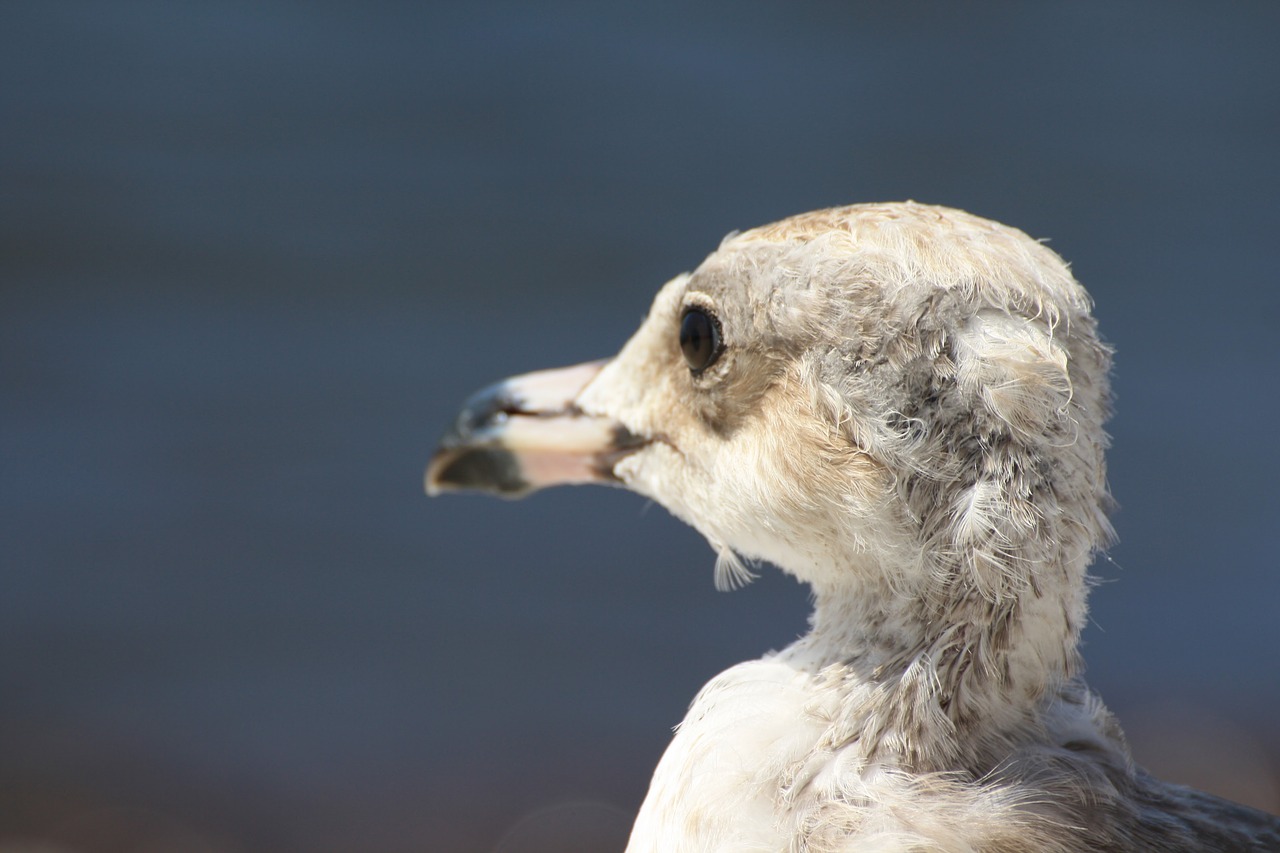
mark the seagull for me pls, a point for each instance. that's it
(902, 406)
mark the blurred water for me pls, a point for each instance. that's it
(253, 255)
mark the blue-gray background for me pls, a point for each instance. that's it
(253, 255)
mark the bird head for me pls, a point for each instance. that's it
(897, 397)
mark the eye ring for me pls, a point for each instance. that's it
(701, 340)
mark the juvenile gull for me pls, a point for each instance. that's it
(902, 406)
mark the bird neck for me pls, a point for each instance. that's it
(934, 683)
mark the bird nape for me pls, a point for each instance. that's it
(901, 405)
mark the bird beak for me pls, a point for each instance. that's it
(526, 433)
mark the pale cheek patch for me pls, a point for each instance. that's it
(653, 472)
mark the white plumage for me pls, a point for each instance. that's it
(901, 405)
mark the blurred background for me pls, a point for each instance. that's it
(253, 255)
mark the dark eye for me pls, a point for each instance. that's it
(700, 339)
